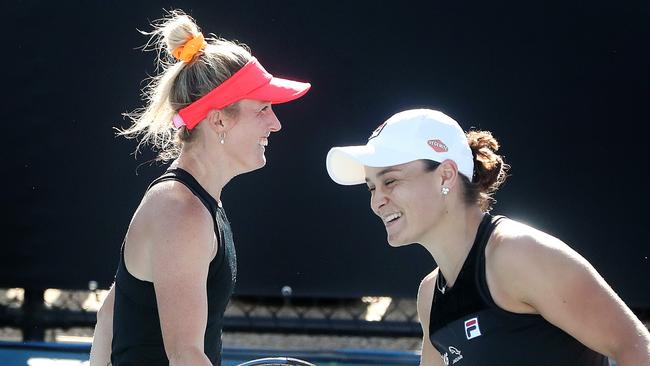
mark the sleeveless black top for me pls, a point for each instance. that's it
(137, 338)
(468, 328)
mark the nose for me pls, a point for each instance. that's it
(378, 200)
(274, 123)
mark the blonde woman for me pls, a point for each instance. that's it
(210, 112)
(504, 293)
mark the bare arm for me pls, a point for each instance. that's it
(184, 243)
(544, 273)
(100, 351)
(430, 355)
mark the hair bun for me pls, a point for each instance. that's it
(490, 170)
(189, 49)
(176, 30)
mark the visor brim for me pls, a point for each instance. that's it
(345, 165)
(280, 90)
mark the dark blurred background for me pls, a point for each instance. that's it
(562, 85)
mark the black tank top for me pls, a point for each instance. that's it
(468, 328)
(137, 338)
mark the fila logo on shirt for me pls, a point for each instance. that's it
(472, 329)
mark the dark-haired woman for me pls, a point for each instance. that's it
(504, 293)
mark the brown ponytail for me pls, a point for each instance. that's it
(490, 171)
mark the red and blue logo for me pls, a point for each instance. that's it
(472, 329)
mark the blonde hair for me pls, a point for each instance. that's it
(178, 84)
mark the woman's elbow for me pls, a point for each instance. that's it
(184, 354)
(634, 351)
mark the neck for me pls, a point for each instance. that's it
(211, 173)
(451, 240)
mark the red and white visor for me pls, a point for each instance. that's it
(250, 82)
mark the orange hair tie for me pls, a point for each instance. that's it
(187, 51)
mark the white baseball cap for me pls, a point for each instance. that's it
(406, 136)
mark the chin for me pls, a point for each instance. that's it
(396, 242)
(260, 163)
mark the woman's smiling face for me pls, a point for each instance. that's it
(407, 199)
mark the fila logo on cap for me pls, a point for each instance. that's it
(377, 130)
(472, 329)
(438, 145)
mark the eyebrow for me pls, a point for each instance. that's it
(383, 172)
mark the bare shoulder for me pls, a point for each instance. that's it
(427, 283)
(520, 259)
(430, 355)
(530, 268)
(514, 244)
(173, 198)
(171, 205)
(172, 217)
(425, 298)
(169, 220)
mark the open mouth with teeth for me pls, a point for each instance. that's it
(388, 219)
(264, 142)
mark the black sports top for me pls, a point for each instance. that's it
(468, 328)
(137, 338)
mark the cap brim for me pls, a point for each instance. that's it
(345, 165)
(280, 91)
